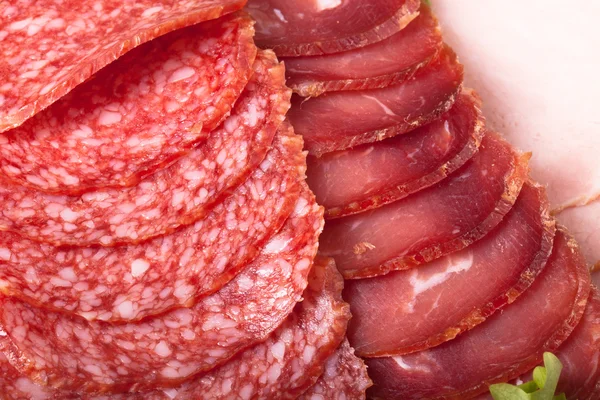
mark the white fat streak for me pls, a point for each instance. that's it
(385, 108)
(453, 267)
(323, 5)
(418, 367)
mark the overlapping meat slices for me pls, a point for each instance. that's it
(371, 175)
(177, 195)
(340, 120)
(131, 282)
(456, 292)
(138, 114)
(433, 222)
(297, 28)
(388, 62)
(50, 46)
(71, 353)
(505, 346)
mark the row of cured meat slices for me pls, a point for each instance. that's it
(457, 275)
(157, 234)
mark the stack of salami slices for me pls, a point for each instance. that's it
(157, 235)
(456, 274)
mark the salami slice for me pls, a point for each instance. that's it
(134, 281)
(436, 221)
(371, 175)
(340, 120)
(178, 195)
(292, 358)
(300, 28)
(539, 320)
(141, 112)
(345, 378)
(456, 292)
(71, 353)
(378, 65)
(14, 386)
(51, 46)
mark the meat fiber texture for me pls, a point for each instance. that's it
(300, 28)
(371, 175)
(345, 378)
(292, 358)
(340, 120)
(539, 320)
(579, 355)
(138, 114)
(51, 46)
(457, 292)
(541, 101)
(71, 353)
(132, 282)
(388, 62)
(178, 195)
(436, 221)
(286, 364)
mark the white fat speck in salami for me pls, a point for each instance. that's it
(275, 368)
(15, 386)
(74, 354)
(166, 200)
(345, 378)
(135, 281)
(110, 131)
(51, 46)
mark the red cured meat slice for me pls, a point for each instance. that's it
(381, 64)
(345, 378)
(51, 46)
(371, 175)
(298, 28)
(580, 356)
(141, 112)
(14, 386)
(285, 364)
(73, 354)
(505, 346)
(178, 195)
(340, 120)
(134, 281)
(456, 292)
(436, 221)
(293, 357)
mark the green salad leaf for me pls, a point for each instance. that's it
(427, 2)
(542, 387)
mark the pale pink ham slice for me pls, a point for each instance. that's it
(381, 64)
(310, 27)
(435, 302)
(507, 345)
(584, 223)
(433, 222)
(51, 46)
(340, 120)
(368, 176)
